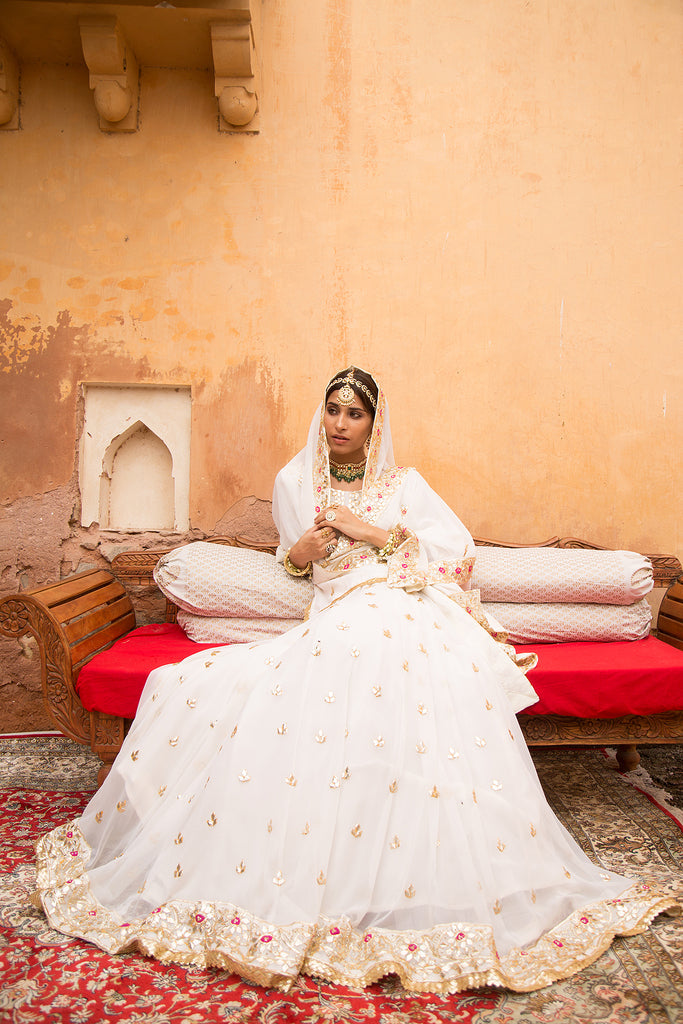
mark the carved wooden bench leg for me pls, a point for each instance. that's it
(628, 757)
(107, 733)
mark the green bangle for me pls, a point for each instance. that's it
(294, 570)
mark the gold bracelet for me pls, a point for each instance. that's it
(389, 547)
(294, 570)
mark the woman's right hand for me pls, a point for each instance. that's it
(316, 543)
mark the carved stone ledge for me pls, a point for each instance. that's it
(114, 76)
(9, 89)
(235, 67)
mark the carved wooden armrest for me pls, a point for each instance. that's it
(71, 621)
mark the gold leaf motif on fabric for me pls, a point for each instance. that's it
(306, 829)
(434, 793)
(321, 880)
(279, 879)
(387, 633)
(330, 698)
(480, 742)
(409, 892)
(233, 733)
(377, 691)
(178, 871)
(135, 755)
(422, 709)
(173, 742)
(378, 741)
(277, 690)
(178, 839)
(343, 625)
(290, 780)
(241, 868)
(320, 737)
(395, 843)
(191, 702)
(282, 729)
(244, 776)
(161, 790)
(501, 845)
(405, 666)
(497, 907)
(355, 652)
(532, 831)
(496, 786)
(212, 820)
(452, 754)
(346, 774)
(121, 806)
(356, 831)
(421, 747)
(269, 826)
(488, 705)
(334, 784)
(393, 786)
(98, 817)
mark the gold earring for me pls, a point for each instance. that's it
(366, 446)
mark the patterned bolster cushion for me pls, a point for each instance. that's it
(215, 629)
(561, 575)
(563, 623)
(218, 580)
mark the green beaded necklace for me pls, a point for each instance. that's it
(348, 472)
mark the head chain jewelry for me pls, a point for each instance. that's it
(346, 392)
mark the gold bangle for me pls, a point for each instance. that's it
(388, 549)
(294, 570)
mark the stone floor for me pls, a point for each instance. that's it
(664, 764)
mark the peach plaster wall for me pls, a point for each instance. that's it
(478, 201)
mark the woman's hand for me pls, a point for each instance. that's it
(318, 542)
(351, 526)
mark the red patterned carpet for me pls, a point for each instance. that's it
(47, 977)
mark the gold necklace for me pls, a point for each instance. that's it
(347, 471)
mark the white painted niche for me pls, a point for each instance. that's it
(134, 469)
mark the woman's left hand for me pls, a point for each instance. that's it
(342, 520)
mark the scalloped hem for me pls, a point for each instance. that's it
(445, 959)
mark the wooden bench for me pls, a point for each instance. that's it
(77, 618)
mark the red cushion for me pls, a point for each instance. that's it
(583, 680)
(113, 680)
(606, 680)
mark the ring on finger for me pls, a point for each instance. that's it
(330, 515)
(330, 547)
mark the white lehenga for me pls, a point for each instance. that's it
(351, 799)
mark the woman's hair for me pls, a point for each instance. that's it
(361, 382)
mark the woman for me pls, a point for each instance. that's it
(353, 798)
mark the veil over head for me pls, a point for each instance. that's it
(303, 487)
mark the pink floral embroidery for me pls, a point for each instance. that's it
(366, 938)
(556, 942)
(460, 935)
(199, 918)
(74, 853)
(235, 920)
(92, 913)
(441, 569)
(266, 938)
(412, 947)
(157, 911)
(69, 835)
(334, 931)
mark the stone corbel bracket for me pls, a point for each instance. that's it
(114, 74)
(9, 89)
(236, 69)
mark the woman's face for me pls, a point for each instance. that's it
(347, 428)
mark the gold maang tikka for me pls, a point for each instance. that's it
(347, 393)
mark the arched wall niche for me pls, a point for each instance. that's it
(134, 468)
(136, 485)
